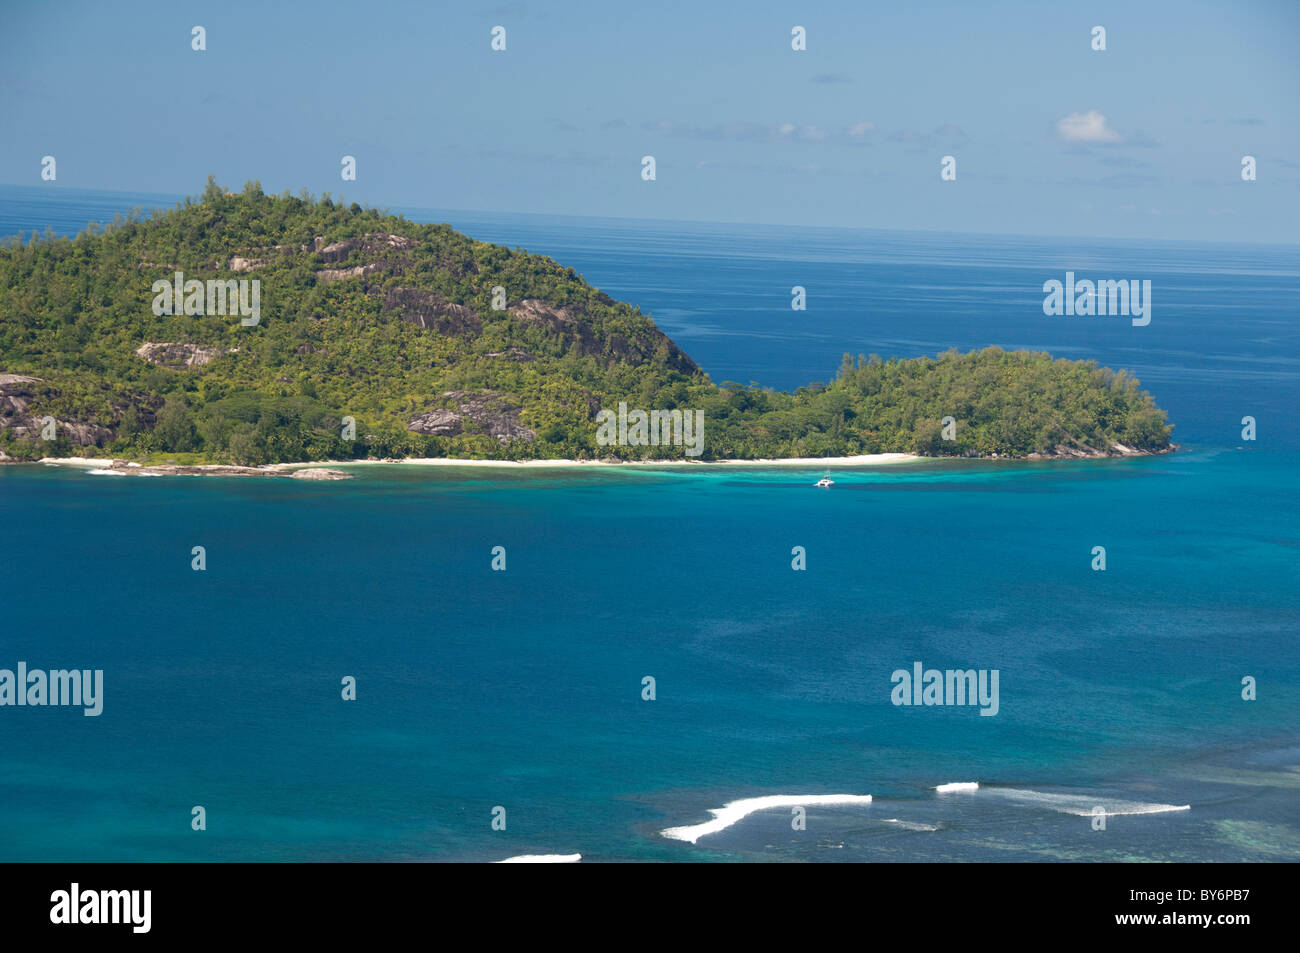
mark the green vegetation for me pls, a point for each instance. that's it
(369, 316)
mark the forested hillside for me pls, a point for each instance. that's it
(378, 337)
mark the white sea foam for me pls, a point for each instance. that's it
(910, 825)
(1083, 805)
(98, 471)
(952, 786)
(734, 811)
(542, 859)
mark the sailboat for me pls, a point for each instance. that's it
(825, 481)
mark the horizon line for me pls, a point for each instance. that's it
(399, 210)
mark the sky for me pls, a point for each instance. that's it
(1049, 136)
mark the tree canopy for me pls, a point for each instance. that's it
(368, 316)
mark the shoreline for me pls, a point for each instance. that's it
(870, 459)
(326, 469)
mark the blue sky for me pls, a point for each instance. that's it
(1144, 140)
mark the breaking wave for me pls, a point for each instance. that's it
(542, 859)
(1083, 805)
(735, 811)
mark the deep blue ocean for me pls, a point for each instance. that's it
(522, 689)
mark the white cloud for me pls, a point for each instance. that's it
(1086, 127)
(807, 133)
(784, 132)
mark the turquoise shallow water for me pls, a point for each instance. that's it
(523, 688)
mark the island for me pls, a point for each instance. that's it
(243, 330)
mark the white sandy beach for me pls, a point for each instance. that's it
(78, 461)
(118, 467)
(811, 463)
